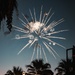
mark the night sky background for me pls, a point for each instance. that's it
(9, 47)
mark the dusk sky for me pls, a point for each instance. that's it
(9, 47)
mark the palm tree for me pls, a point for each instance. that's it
(47, 72)
(38, 67)
(6, 11)
(66, 66)
(9, 72)
(60, 71)
(15, 71)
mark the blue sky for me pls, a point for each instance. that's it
(9, 47)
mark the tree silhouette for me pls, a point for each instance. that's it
(15, 71)
(66, 66)
(60, 71)
(38, 67)
(6, 11)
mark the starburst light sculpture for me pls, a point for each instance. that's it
(37, 30)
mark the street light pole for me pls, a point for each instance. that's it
(67, 53)
(73, 56)
(73, 53)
